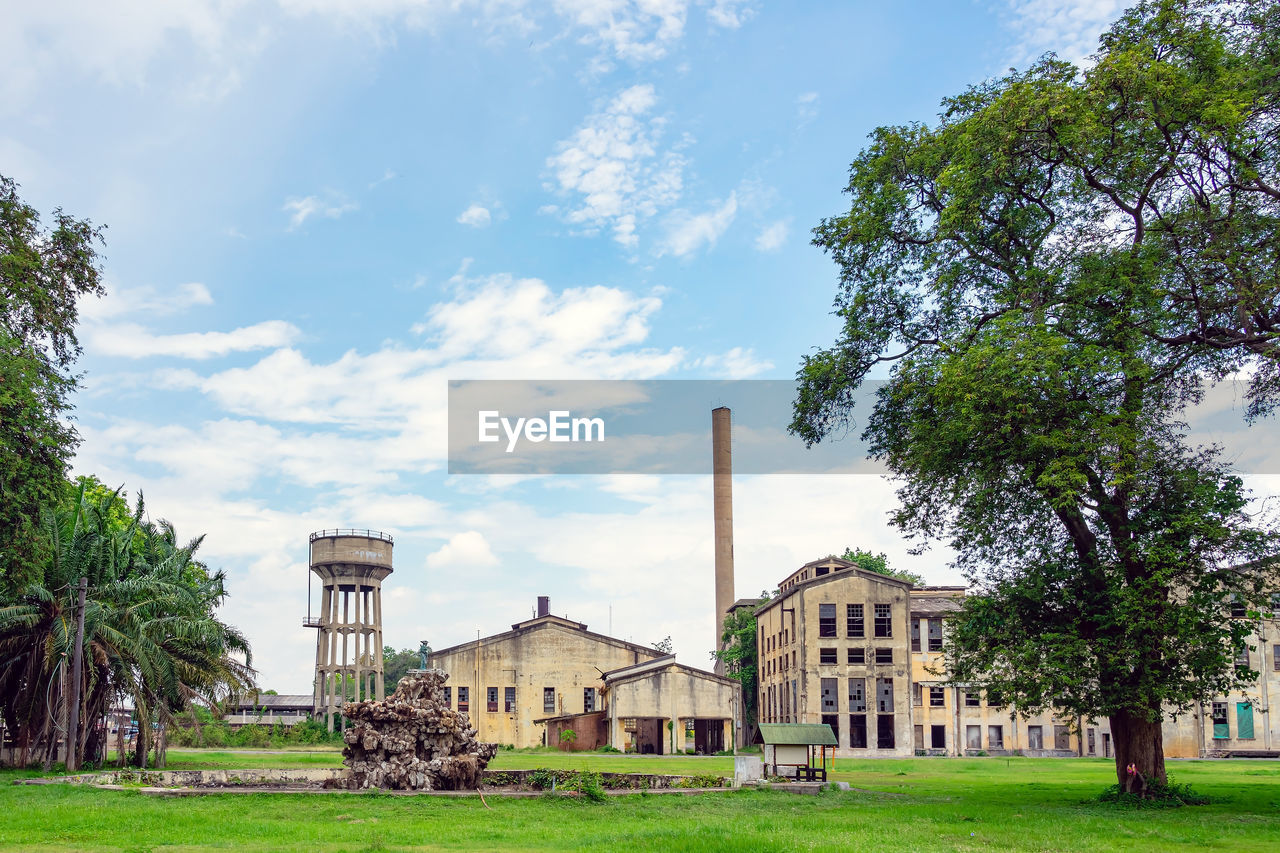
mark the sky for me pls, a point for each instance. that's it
(321, 211)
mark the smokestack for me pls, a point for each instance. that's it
(722, 490)
(544, 605)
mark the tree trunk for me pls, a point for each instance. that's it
(1139, 743)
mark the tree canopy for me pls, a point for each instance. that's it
(43, 274)
(879, 564)
(1051, 274)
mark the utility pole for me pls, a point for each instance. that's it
(77, 659)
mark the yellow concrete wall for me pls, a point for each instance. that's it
(849, 586)
(673, 693)
(546, 654)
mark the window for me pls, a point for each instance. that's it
(938, 737)
(827, 656)
(832, 720)
(858, 695)
(916, 694)
(1244, 720)
(994, 699)
(464, 694)
(1275, 657)
(549, 700)
(853, 620)
(935, 635)
(492, 698)
(1242, 659)
(857, 731)
(973, 737)
(860, 655)
(884, 731)
(1061, 737)
(995, 737)
(1035, 737)
(884, 655)
(588, 700)
(972, 699)
(1275, 604)
(1220, 727)
(1237, 607)
(1093, 744)
(829, 700)
(884, 695)
(915, 635)
(448, 697)
(937, 697)
(793, 658)
(826, 620)
(509, 699)
(884, 624)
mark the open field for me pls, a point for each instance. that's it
(916, 804)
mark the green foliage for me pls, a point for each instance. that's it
(879, 564)
(395, 665)
(1053, 272)
(43, 274)
(568, 736)
(741, 661)
(1156, 796)
(588, 784)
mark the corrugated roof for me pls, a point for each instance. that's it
(801, 734)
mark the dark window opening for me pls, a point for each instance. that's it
(509, 699)
(588, 700)
(884, 622)
(857, 731)
(464, 696)
(935, 635)
(448, 697)
(938, 737)
(1221, 729)
(854, 625)
(884, 655)
(827, 656)
(884, 731)
(1093, 743)
(937, 697)
(829, 700)
(915, 635)
(1237, 607)
(832, 720)
(860, 655)
(972, 699)
(492, 698)
(826, 620)
(549, 700)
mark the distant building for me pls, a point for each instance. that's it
(862, 652)
(268, 709)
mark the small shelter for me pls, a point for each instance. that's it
(789, 750)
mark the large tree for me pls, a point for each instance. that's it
(43, 273)
(1048, 277)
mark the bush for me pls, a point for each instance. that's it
(1157, 796)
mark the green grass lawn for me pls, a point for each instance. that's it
(916, 804)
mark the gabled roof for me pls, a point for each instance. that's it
(798, 734)
(638, 670)
(543, 623)
(268, 700)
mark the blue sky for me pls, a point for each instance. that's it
(319, 211)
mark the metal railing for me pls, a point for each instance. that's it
(311, 622)
(367, 534)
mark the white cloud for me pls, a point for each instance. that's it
(464, 550)
(737, 363)
(633, 30)
(477, 216)
(612, 162)
(806, 107)
(1069, 28)
(772, 236)
(687, 233)
(133, 341)
(730, 14)
(146, 300)
(302, 209)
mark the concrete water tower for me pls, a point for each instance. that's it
(351, 565)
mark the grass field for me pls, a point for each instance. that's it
(914, 804)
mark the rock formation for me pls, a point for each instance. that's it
(412, 740)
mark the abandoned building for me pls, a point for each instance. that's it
(268, 709)
(548, 674)
(861, 651)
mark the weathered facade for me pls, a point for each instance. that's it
(543, 667)
(651, 705)
(814, 671)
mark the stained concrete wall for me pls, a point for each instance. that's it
(546, 652)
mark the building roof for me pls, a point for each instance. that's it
(647, 667)
(542, 623)
(798, 734)
(749, 603)
(935, 605)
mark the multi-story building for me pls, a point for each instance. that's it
(863, 653)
